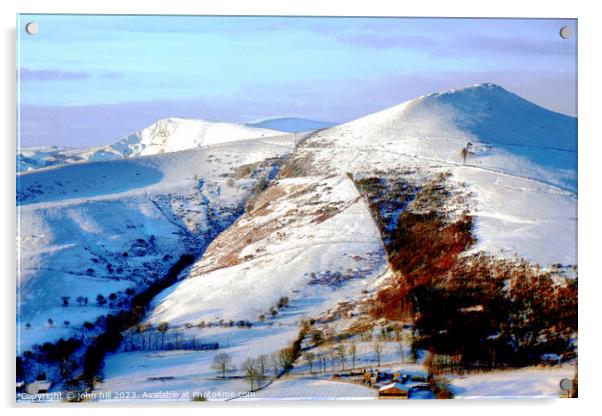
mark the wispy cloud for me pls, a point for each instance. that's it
(450, 45)
(49, 75)
(379, 39)
(511, 45)
(44, 75)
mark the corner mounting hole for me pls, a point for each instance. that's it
(565, 32)
(32, 28)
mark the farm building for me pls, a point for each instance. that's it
(394, 390)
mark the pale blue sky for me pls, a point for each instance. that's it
(88, 80)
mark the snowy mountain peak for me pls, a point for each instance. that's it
(494, 120)
(174, 134)
(496, 115)
(164, 136)
(484, 88)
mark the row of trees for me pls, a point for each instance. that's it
(342, 356)
(101, 300)
(338, 354)
(145, 337)
(256, 369)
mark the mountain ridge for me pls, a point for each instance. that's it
(164, 136)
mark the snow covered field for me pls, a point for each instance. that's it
(527, 383)
(312, 389)
(139, 372)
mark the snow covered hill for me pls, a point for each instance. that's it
(500, 131)
(520, 164)
(311, 240)
(164, 136)
(174, 134)
(291, 124)
(105, 227)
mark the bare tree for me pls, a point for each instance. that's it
(333, 359)
(309, 359)
(322, 360)
(398, 331)
(353, 354)
(262, 364)
(222, 363)
(341, 353)
(143, 332)
(128, 340)
(275, 365)
(162, 328)
(178, 335)
(252, 373)
(400, 346)
(378, 350)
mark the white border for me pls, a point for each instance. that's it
(590, 155)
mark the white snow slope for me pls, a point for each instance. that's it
(102, 227)
(164, 136)
(521, 169)
(282, 248)
(173, 134)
